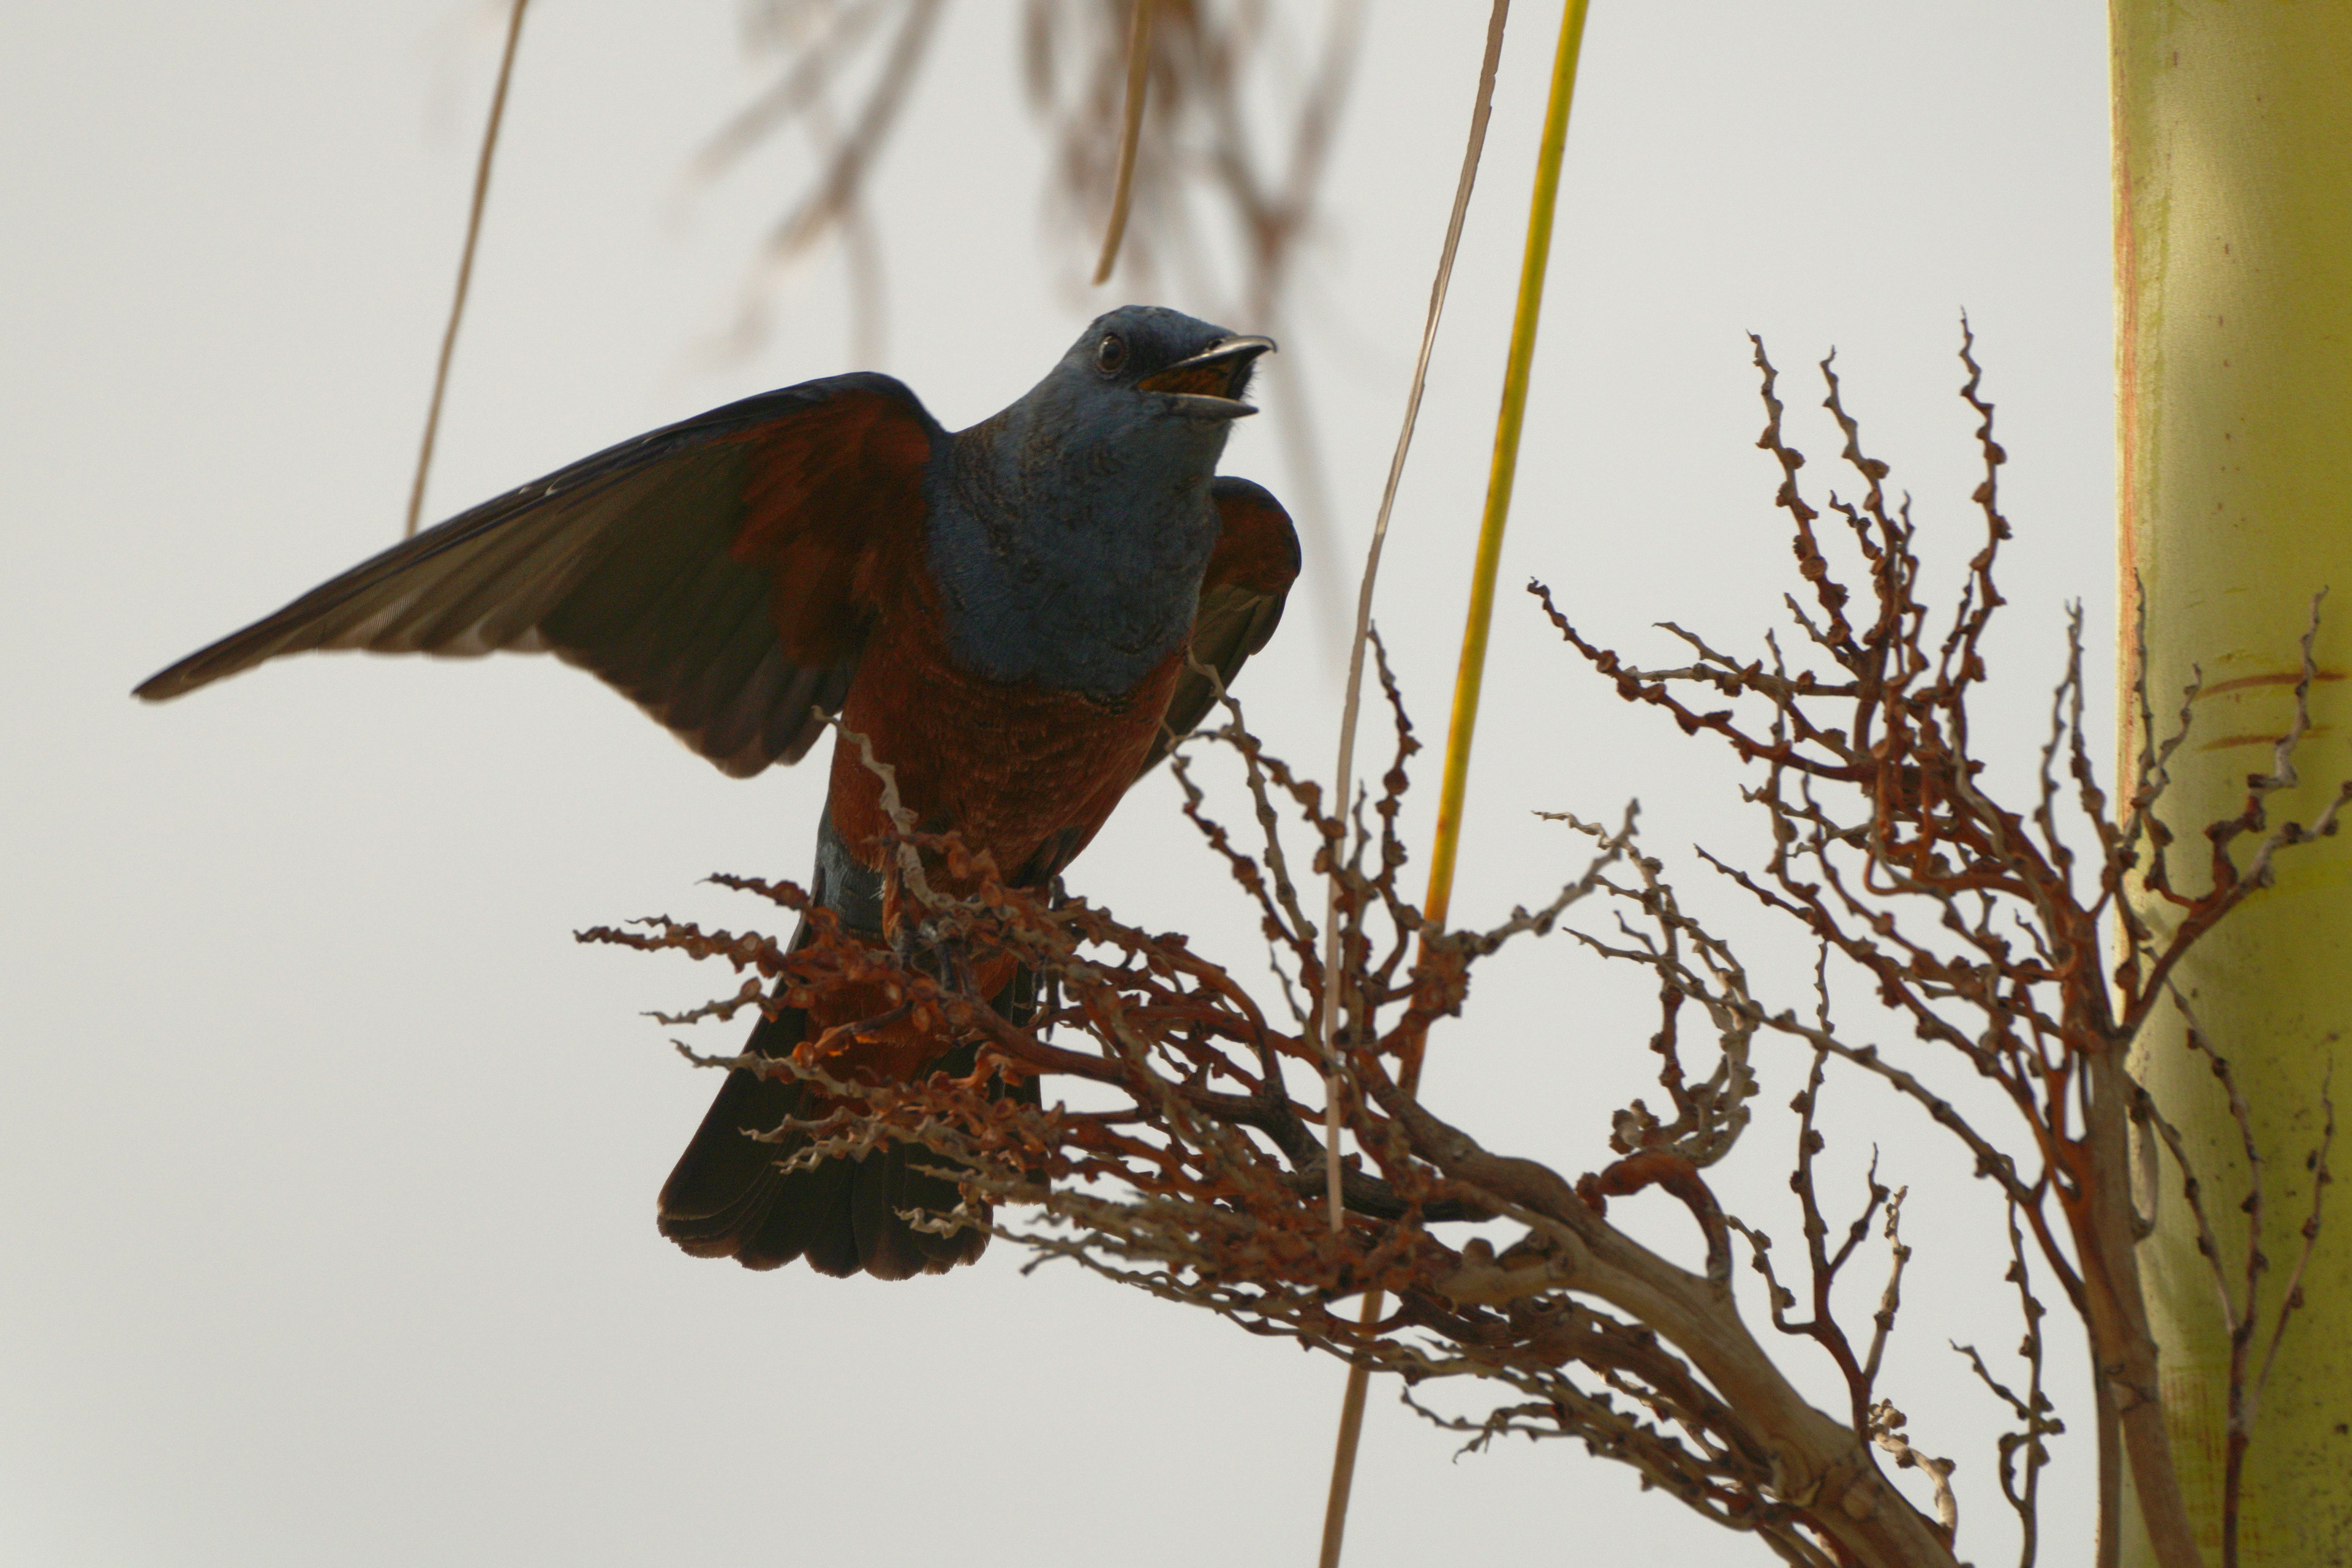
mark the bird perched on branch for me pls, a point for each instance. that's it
(1019, 618)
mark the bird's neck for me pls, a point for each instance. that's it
(1075, 566)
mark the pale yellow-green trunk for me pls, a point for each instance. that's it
(2233, 208)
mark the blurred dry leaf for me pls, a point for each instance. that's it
(1242, 109)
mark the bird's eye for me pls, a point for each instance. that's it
(1110, 354)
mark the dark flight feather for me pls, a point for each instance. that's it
(662, 565)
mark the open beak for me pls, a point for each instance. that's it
(1209, 384)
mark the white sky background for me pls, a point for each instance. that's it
(329, 1159)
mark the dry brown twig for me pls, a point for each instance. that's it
(483, 161)
(1968, 917)
(2004, 968)
(823, 48)
(1211, 163)
(2021, 1454)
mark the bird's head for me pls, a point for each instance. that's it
(1082, 521)
(1179, 366)
(1148, 384)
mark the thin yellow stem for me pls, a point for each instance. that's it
(465, 265)
(1326, 1025)
(1139, 77)
(1469, 677)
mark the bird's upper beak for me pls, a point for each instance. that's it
(1207, 385)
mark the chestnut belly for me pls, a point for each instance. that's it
(1025, 772)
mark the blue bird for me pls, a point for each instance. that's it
(1017, 616)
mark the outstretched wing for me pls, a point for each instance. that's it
(1242, 595)
(719, 572)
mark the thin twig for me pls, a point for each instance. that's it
(1517, 370)
(1345, 773)
(1886, 1423)
(2291, 1297)
(1139, 77)
(1351, 1408)
(465, 265)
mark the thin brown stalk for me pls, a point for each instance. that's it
(1351, 1409)
(832, 199)
(1139, 77)
(465, 265)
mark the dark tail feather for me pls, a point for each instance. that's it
(729, 1198)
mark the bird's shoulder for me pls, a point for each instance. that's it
(835, 496)
(1258, 545)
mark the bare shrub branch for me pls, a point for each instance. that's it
(1977, 927)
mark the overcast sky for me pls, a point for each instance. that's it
(329, 1159)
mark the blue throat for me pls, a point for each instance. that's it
(1069, 534)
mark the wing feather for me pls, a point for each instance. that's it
(712, 571)
(1242, 596)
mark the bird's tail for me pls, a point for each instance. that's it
(730, 1197)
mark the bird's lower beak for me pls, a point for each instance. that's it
(1209, 385)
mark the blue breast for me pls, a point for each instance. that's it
(1067, 536)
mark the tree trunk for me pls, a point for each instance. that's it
(2233, 270)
